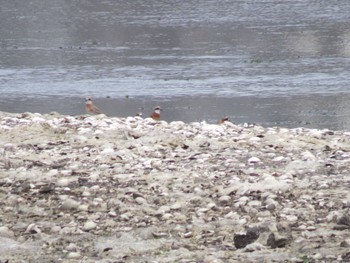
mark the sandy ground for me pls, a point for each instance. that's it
(100, 189)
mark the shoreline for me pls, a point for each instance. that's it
(101, 189)
(314, 111)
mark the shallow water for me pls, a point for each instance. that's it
(271, 62)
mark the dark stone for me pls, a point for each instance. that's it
(279, 242)
(243, 240)
(344, 244)
(344, 220)
(47, 189)
(346, 256)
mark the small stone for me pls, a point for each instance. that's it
(72, 247)
(107, 151)
(167, 216)
(89, 225)
(70, 204)
(254, 160)
(345, 257)
(242, 240)
(344, 220)
(308, 156)
(212, 259)
(277, 241)
(86, 194)
(278, 159)
(256, 246)
(140, 200)
(271, 207)
(112, 213)
(253, 212)
(33, 229)
(292, 218)
(83, 207)
(74, 255)
(55, 229)
(176, 206)
(159, 234)
(345, 243)
(225, 199)
(63, 182)
(188, 234)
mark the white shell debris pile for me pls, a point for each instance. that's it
(100, 189)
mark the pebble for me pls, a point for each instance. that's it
(225, 199)
(74, 255)
(254, 160)
(33, 229)
(70, 204)
(89, 225)
(278, 159)
(140, 201)
(72, 247)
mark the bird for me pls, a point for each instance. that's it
(156, 113)
(223, 120)
(91, 108)
(139, 114)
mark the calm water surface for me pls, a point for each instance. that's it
(272, 62)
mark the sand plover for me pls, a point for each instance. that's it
(91, 108)
(156, 113)
(223, 120)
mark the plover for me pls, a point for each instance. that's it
(91, 108)
(156, 113)
(222, 120)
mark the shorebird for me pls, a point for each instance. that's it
(91, 108)
(156, 113)
(139, 114)
(222, 120)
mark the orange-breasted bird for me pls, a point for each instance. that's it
(222, 120)
(156, 113)
(91, 108)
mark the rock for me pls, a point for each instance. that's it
(108, 151)
(212, 259)
(176, 206)
(345, 243)
(254, 247)
(344, 220)
(89, 225)
(63, 182)
(140, 200)
(72, 247)
(188, 234)
(224, 200)
(73, 255)
(277, 241)
(70, 204)
(345, 257)
(254, 160)
(242, 240)
(33, 229)
(278, 159)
